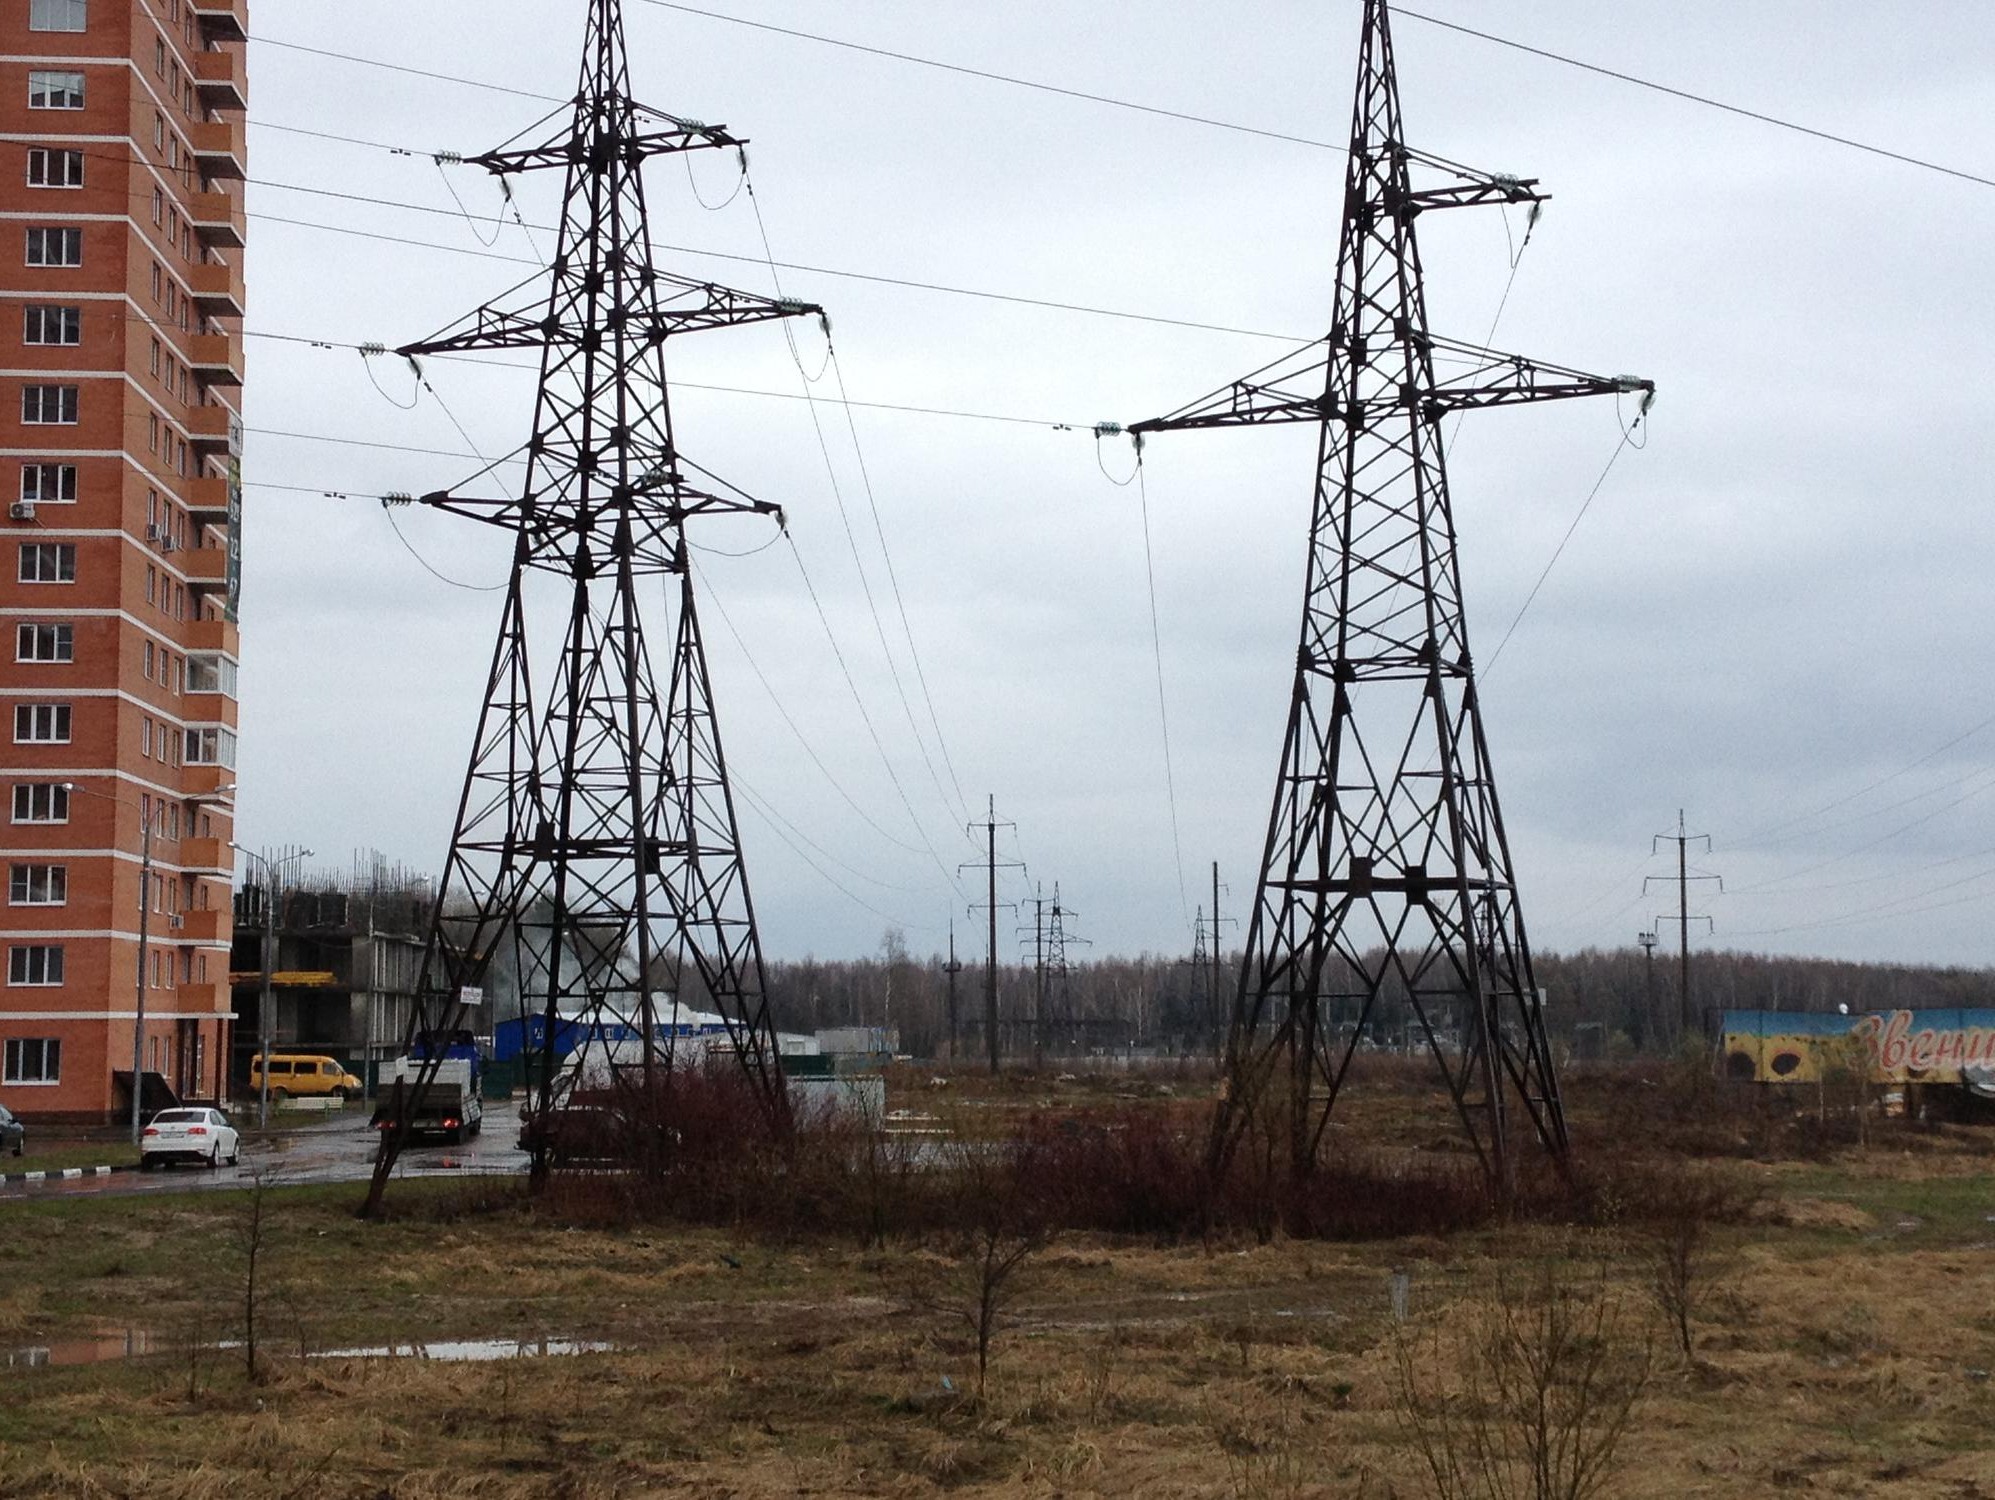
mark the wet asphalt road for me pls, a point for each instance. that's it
(340, 1149)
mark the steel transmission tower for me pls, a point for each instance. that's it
(596, 831)
(1386, 873)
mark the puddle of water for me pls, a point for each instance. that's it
(110, 1345)
(472, 1350)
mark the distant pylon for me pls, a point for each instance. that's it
(1386, 873)
(595, 835)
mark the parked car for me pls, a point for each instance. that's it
(197, 1135)
(13, 1134)
(304, 1076)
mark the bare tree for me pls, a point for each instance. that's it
(252, 1233)
(1548, 1381)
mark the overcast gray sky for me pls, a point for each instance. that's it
(1775, 615)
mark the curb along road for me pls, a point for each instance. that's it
(63, 1174)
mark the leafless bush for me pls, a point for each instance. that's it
(1547, 1376)
(252, 1233)
(1678, 1214)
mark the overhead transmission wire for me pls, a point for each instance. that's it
(960, 811)
(789, 719)
(1163, 703)
(1905, 158)
(866, 716)
(1763, 835)
(1399, 12)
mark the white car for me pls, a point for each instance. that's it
(197, 1135)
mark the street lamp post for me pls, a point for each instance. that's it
(266, 1005)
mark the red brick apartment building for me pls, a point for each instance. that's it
(121, 254)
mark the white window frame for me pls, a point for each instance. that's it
(38, 246)
(38, 885)
(52, 84)
(39, 319)
(44, 642)
(26, 961)
(35, 405)
(37, 492)
(58, 801)
(34, 717)
(53, 553)
(70, 161)
(48, 1049)
(58, 15)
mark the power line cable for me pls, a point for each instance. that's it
(1401, 13)
(1015, 82)
(789, 719)
(1163, 706)
(866, 717)
(845, 519)
(375, 62)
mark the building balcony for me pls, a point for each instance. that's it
(207, 856)
(217, 359)
(210, 926)
(222, 79)
(218, 219)
(208, 498)
(206, 781)
(222, 20)
(205, 567)
(219, 148)
(215, 430)
(214, 635)
(217, 289)
(204, 999)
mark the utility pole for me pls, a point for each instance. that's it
(992, 865)
(1683, 840)
(1038, 979)
(1386, 857)
(951, 970)
(1647, 939)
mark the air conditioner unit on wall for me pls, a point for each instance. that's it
(22, 510)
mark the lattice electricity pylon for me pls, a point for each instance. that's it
(1059, 979)
(1386, 873)
(596, 833)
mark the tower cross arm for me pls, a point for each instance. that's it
(1495, 379)
(575, 148)
(1472, 188)
(688, 307)
(1289, 390)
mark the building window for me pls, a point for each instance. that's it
(211, 673)
(148, 661)
(41, 802)
(45, 643)
(55, 90)
(48, 562)
(55, 247)
(52, 325)
(151, 585)
(48, 484)
(211, 747)
(35, 963)
(46, 724)
(33, 1060)
(158, 208)
(49, 405)
(38, 885)
(155, 359)
(145, 738)
(58, 15)
(48, 167)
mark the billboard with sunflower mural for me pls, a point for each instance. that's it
(1942, 1045)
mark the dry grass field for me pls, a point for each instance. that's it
(1842, 1322)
